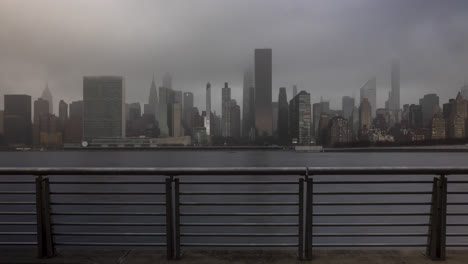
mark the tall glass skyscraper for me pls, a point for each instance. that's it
(369, 91)
(263, 97)
(104, 107)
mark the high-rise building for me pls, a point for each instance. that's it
(167, 81)
(165, 100)
(1, 122)
(17, 120)
(317, 110)
(47, 95)
(247, 112)
(41, 113)
(104, 107)
(274, 114)
(415, 118)
(152, 107)
(226, 110)
(134, 111)
(283, 117)
(300, 119)
(263, 97)
(429, 104)
(188, 113)
(456, 114)
(294, 91)
(394, 100)
(365, 117)
(63, 112)
(347, 107)
(322, 135)
(235, 116)
(338, 131)
(369, 91)
(177, 129)
(74, 126)
(208, 110)
(464, 92)
(438, 126)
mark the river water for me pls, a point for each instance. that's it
(232, 159)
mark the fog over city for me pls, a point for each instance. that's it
(328, 48)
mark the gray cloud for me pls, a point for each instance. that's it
(328, 47)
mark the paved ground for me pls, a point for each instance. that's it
(22, 256)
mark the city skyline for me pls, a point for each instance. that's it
(331, 59)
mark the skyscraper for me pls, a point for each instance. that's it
(429, 105)
(153, 100)
(464, 92)
(369, 91)
(165, 100)
(317, 110)
(274, 115)
(300, 119)
(394, 102)
(283, 117)
(365, 117)
(167, 81)
(188, 113)
(226, 110)
(234, 125)
(74, 126)
(63, 111)
(339, 131)
(17, 120)
(104, 107)
(246, 110)
(208, 110)
(294, 91)
(41, 112)
(347, 106)
(47, 95)
(263, 97)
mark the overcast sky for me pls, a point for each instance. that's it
(328, 48)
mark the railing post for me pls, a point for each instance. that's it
(437, 224)
(45, 243)
(169, 219)
(300, 252)
(309, 217)
(177, 219)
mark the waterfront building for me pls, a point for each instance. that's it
(456, 113)
(226, 110)
(438, 126)
(369, 92)
(207, 120)
(74, 126)
(177, 129)
(17, 120)
(274, 114)
(263, 89)
(166, 97)
(415, 117)
(429, 103)
(47, 95)
(322, 135)
(283, 117)
(41, 109)
(300, 119)
(247, 102)
(63, 115)
(365, 117)
(318, 109)
(104, 107)
(339, 131)
(235, 115)
(348, 105)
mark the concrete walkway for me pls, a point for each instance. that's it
(72, 256)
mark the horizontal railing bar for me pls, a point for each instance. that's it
(17, 182)
(457, 214)
(370, 224)
(458, 203)
(108, 193)
(239, 234)
(106, 182)
(239, 224)
(238, 182)
(18, 233)
(366, 204)
(17, 192)
(241, 204)
(17, 243)
(238, 193)
(370, 245)
(109, 244)
(122, 171)
(370, 193)
(109, 213)
(457, 224)
(372, 182)
(457, 192)
(17, 223)
(107, 203)
(17, 213)
(17, 203)
(106, 224)
(457, 245)
(370, 214)
(370, 235)
(239, 214)
(236, 245)
(457, 234)
(457, 181)
(106, 234)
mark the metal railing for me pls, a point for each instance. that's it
(172, 207)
